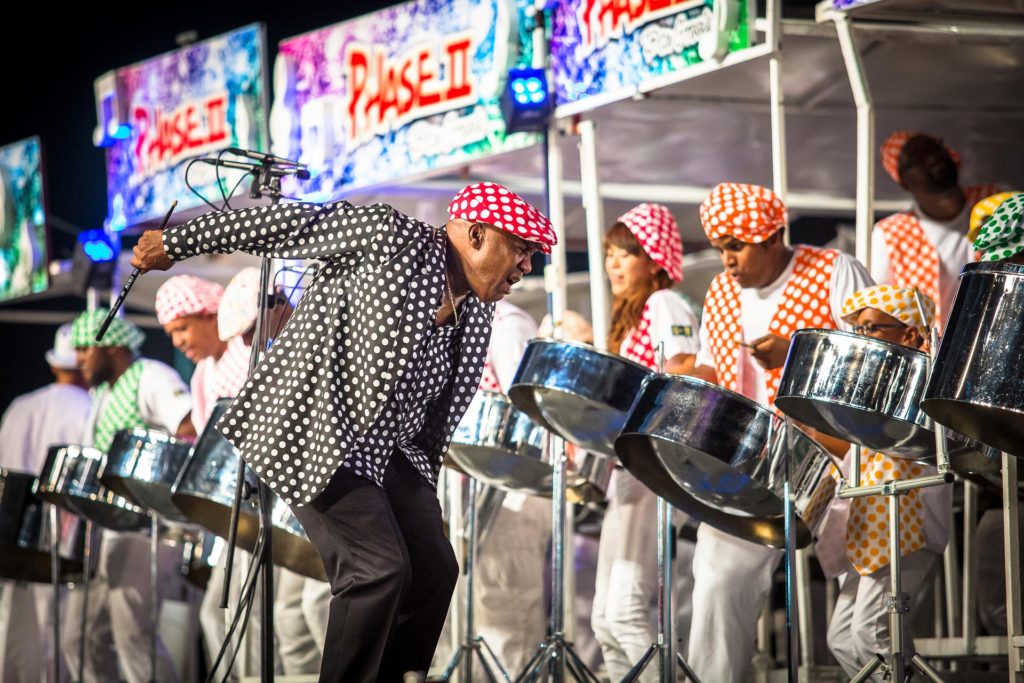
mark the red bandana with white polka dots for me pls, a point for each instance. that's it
(805, 303)
(913, 258)
(498, 206)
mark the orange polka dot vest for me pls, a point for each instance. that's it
(912, 257)
(867, 529)
(805, 303)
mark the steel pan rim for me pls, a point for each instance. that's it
(164, 437)
(723, 522)
(898, 349)
(703, 384)
(551, 341)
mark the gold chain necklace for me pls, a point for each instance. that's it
(451, 297)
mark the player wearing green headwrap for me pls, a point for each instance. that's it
(128, 392)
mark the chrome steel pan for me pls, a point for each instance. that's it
(721, 458)
(977, 386)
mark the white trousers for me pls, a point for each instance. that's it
(215, 621)
(510, 611)
(732, 578)
(301, 607)
(860, 623)
(627, 577)
(27, 648)
(119, 618)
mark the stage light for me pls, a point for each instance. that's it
(526, 104)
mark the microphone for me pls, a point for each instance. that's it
(299, 172)
(263, 158)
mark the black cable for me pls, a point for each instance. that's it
(195, 191)
(219, 185)
(248, 588)
(250, 599)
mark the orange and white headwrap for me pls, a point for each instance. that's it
(983, 209)
(899, 302)
(184, 295)
(655, 229)
(750, 213)
(893, 146)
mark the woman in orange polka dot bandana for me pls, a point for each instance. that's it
(643, 258)
(859, 626)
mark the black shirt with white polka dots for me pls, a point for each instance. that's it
(360, 370)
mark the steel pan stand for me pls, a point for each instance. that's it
(665, 645)
(55, 580)
(473, 644)
(897, 602)
(154, 591)
(555, 656)
(86, 567)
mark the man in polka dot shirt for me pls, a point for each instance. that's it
(767, 292)
(349, 415)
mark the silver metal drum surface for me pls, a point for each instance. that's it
(977, 386)
(577, 392)
(25, 534)
(501, 446)
(721, 458)
(205, 491)
(71, 477)
(869, 391)
(142, 465)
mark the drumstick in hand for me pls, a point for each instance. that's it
(128, 284)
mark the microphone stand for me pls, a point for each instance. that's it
(266, 182)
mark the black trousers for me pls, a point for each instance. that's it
(391, 569)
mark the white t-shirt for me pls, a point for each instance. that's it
(951, 245)
(53, 415)
(673, 323)
(512, 329)
(758, 306)
(163, 400)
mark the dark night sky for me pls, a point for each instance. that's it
(50, 60)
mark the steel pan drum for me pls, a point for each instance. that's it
(205, 490)
(142, 465)
(977, 386)
(577, 392)
(502, 447)
(720, 458)
(868, 391)
(25, 534)
(70, 478)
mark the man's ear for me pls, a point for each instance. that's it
(476, 234)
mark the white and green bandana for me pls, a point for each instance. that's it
(1002, 235)
(121, 410)
(120, 333)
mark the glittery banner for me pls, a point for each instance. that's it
(156, 115)
(397, 93)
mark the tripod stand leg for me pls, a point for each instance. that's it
(638, 668)
(532, 666)
(497, 662)
(926, 668)
(687, 671)
(452, 663)
(483, 662)
(869, 668)
(582, 672)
